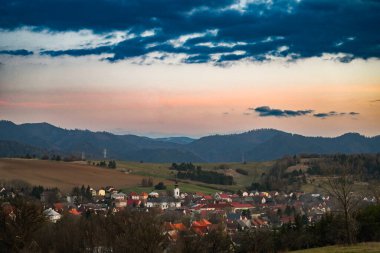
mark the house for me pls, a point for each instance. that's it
(258, 222)
(134, 196)
(201, 227)
(118, 196)
(52, 215)
(153, 195)
(143, 196)
(173, 229)
(163, 202)
(216, 206)
(102, 192)
(244, 224)
(93, 192)
(74, 211)
(240, 206)
(120, 203)
(222, 196)
(58, 207)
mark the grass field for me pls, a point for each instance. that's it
(161, 171)
(64, 175)
(371, 247)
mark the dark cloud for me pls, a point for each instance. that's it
(21, 52)
(334, 114)
(266, 111)
(292, 29)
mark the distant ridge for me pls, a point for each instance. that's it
(255, 145)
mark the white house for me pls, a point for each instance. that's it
(52, 215)
(163, 202)
(118, 196)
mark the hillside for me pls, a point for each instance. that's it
(256, 145)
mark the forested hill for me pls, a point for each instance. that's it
(256, 145)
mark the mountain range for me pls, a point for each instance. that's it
(255, 145)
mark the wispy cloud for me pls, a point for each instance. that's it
(20, 52)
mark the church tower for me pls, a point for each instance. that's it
(176, 192)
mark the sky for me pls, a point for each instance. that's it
(192, 67)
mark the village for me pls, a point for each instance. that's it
(182, 211)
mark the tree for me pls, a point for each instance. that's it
(255, 241)
(341, 189)
(160, 186)
(112, 164)
(17, 231)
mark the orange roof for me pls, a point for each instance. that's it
(201, 223)
(74, 211)
(144, 194)
(179, 226)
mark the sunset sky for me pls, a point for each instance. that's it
(194, 68)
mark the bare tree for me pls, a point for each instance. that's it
(341, 189)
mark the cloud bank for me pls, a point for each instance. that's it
(213, 31)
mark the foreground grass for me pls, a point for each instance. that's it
(358, 248)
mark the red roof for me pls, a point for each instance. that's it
(224, 196)
(217, 206)
(58, 206)
(241, 205)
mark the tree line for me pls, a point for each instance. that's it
(192, 172)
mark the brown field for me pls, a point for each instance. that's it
(64, 175)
